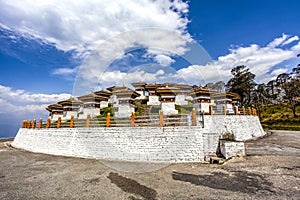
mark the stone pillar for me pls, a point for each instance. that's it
(132, 119)
(108, 120)
(72, 122)
(40, 123)
(161, 118)
(58, 122)
(194, 118)
(88, 121)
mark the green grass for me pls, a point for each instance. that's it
(279, 117)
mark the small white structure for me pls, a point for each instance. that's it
(183, 94)
(91, 105)
(227, 100)
(201, 99)
(125, 101)
(140, 88)
(153, 98)
(167, 95)
(70, 108)
(56, 111)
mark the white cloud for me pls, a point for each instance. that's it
(276, 72)
(290, 40)
(83, 25)
(65, 71)
(164, 60)
(21, 97)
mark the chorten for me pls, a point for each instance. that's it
(56, 111)
(167, 99)
(201, 99)
(125, 101)
(70, 108)
(140, 88)
(90, 105)
(153, 97)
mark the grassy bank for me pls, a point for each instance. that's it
(279, 117)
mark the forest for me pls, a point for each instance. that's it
(277, 102)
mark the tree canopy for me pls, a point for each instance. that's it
(242, 83)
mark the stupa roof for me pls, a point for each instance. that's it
(54, 107)
(92, 96)
(139, 84)
(70, 101)
(103, 93)
(124, 91)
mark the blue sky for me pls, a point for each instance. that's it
(50, 50)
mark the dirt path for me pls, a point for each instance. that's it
(270, 171)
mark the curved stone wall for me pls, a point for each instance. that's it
(152, 144)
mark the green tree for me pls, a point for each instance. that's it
(292, 93)
(242, 83)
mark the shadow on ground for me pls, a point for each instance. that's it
(132, 186)
(238, 181)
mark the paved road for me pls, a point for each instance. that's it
(270, 171)
(286, 143)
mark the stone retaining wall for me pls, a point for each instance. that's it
(154, 144)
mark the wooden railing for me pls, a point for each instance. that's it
(162, 120)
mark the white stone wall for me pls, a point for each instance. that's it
(68, 114)
(124, 110)
(55, 117)
(168, 108)
(153, 100)
(180, 100)
(231, 148)
(155, 144)
(202, 107)
(93, 112)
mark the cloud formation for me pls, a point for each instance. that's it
(85, 24)
(15, 101)
(264, 61)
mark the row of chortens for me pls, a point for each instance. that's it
(123, 98)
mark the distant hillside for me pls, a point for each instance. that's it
(279, 117)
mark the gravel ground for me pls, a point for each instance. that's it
(271, 170)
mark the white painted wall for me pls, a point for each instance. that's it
(153, 100)
(155, 144)
(168, 108)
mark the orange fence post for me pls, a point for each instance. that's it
(28, 124)
(23, 124)
(72, 122)
(236, 110)
(108, 120)
(58, 122)
(33, 124)
(253, 111)
(40, 123)
(224, 109)
(244, 110)
(88, 121)
(132, 119)
(194, 117)
(211, 111)
(48, 123)
(249, 111)
(161, 118)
